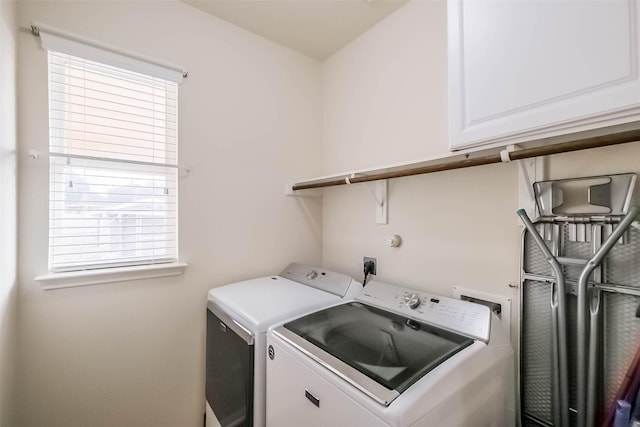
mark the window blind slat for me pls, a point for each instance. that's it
(75, 100)
(70, 266)
(59, 143)
(78, 229)
(101, 94)
(103, 209)
(169, 119)
(161, 234)
(143, 169)
(85, 118)
(106, 128)
(82, 86)
(133, 139)
(155, 157)
(76, 246)
(106, 74)
(98, 201)
(136, 254)
(92, 220)
(61, 194)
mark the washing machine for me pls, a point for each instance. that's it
(391, 357)
(238, 317)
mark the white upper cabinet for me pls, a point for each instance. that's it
(521, 70)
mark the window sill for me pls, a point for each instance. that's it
(109, 275)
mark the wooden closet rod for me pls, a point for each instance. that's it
(545, 150)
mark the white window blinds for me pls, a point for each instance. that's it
(113, 166)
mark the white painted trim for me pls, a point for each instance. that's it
(109, 275)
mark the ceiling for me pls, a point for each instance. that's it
(317, 28)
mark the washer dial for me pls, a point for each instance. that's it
(412, 301)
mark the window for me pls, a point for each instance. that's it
(113, 166)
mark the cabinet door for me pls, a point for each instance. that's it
(528, 69)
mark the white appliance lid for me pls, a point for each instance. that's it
(393, 350)
(260, 303)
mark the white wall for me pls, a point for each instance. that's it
(384, 101)
(384, 96)
(8, 206)
(132, 354)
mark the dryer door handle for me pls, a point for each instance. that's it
(228, 322)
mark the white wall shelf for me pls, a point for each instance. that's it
(479, 157)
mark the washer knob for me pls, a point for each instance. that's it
(312, 275)
(413, 301)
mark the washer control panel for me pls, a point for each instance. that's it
(463, 317)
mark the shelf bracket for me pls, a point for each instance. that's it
(380, 196)
(530, 170)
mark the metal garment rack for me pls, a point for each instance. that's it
(577, 307)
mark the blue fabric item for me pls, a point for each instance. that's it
(623, 414)
(635, 415)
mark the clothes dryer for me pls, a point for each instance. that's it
(238, 317)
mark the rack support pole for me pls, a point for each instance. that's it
(560, 379)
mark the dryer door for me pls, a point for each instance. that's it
(229, 370)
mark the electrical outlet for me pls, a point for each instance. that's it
(375, 264)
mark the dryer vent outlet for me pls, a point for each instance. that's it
(499, 304)
(494, 306)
